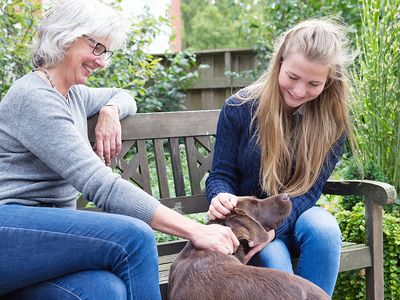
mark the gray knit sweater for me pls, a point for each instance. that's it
(45, 155)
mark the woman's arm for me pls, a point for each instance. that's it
(223, 181)
(108, 134)
(213, 237)
(97, 98)
(224, 176)
(112, 105)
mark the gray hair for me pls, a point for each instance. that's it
(70, 19)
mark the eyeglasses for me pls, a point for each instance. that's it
(99, 49)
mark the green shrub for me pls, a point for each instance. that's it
(18, 20)
(376, 110)
(371, 172)
(156, 82)
(351, 285)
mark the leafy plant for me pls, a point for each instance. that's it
(17, 26)
(351, 285)
(370, 172)
(156, 82)
(249, 23)
(376, 110)
(165, 90)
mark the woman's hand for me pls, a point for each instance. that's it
(221, 205)
(255, 248)
(215, 237)
(108, 134)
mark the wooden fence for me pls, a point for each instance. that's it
(222, 73)
(219, 77)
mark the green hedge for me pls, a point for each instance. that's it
(351, 285)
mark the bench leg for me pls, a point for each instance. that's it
(374, 274)
(164, 291)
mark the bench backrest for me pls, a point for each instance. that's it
(177, 146)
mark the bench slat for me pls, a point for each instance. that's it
(161, 167)
(191, 153)
(164, 125)
(187, 204)
(176, 162)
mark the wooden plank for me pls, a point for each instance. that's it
(379, 192)
(187, 204)
(165, 125)
(163, 290)
(163, 276)
(176, 162)
(355, 257)
(220, 83)
(166, 259)
(228, 67)
(144, 179)
(347, 244)
(374, 275)
(191, 153)
(207, 99)
(161, 167)
(172, 247)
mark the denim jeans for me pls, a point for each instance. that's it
(316, 241)
(53, 253)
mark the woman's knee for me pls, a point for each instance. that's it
(275, 255)
(131, 233)
(319, 226)
(95, 284)
(86, 285)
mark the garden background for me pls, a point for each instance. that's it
(161, 83)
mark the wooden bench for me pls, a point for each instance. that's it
(179, 146)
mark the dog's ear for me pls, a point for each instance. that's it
(269, 211)
(246, 228)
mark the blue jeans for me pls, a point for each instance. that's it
(316, 241)
(53, 253)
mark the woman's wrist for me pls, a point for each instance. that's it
(110, 108)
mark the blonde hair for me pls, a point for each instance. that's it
(292, 157)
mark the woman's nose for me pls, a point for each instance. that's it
(300, 91)
(100, 61)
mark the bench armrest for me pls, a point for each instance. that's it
(379, 192)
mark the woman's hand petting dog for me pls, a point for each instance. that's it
(206, 238)
(222, 205)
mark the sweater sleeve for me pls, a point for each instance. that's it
(46, 128)
(303, 202)
(224, 176)
(96, 98)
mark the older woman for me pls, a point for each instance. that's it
(45, 159)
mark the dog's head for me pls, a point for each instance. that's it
(252, 218)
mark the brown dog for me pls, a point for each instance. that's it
(210, 275)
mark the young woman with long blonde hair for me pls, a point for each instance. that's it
(284, 134)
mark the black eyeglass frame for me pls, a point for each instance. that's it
(99, 49)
